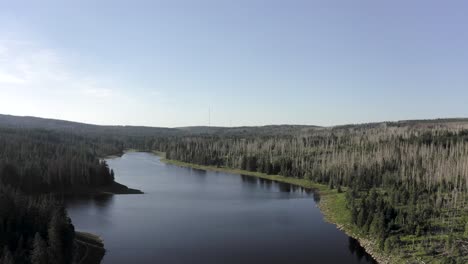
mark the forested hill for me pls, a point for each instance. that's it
(33, 163)
(405, 182)
(39, 159)
(27, 122)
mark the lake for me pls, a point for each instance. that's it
(194, 216)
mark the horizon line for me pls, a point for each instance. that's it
(241, 126)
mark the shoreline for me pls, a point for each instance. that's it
(118, 188)
(114, 188)
(332, 204)
(90, 248)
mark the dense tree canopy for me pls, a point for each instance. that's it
(43, 161)
(35, 228)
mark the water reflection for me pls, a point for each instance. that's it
(193, 216)
(276, 186)
(249, 179)
(357, 250)
(197, 172)
(101, 202)
(316, 196)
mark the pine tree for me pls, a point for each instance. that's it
(39, 251)
(354, 214)
(361, 219)
(55, 250)
(466, 229)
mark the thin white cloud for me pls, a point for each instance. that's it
(6, 78)
(97, 92)
(27, 66)
(40, 81)
(24, 63)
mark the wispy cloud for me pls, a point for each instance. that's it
(25, 65)
(42, 81)
(29, 64)
(49, 82)
(98, 92)
(6, 78)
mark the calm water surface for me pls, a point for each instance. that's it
(194, 216)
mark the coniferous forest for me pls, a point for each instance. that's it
(404, 183)
(34, 226)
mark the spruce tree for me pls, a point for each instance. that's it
(39, 251)
(55, 249)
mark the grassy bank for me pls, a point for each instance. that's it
(90, 248)
(332, 204)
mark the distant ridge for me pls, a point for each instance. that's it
(31, 122)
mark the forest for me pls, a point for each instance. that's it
(405, 182)
(34, 163)
(34, 229)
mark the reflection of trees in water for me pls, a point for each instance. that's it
(295, 189)
(316, 195)
(249, 179)
(99, 201)
(284, 187)
(103, 200)
(356, 249)
(281, 186)
(266, 184)
(299, 189)
(197, 172)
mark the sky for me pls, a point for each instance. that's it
(233, 63)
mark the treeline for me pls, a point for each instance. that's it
(36, 161)
(35, 228)
(407, 184)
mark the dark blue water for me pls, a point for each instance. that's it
(194, 216)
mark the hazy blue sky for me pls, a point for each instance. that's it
(164, 63)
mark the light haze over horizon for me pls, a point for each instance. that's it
(256, 62)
